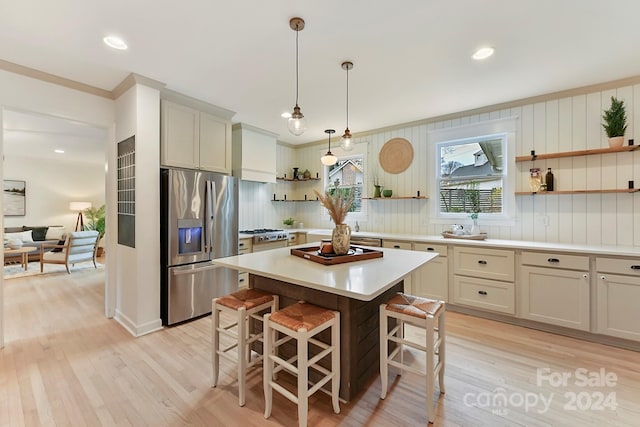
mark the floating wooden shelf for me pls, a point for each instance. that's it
(396, 198)
(577, 153)
(294, 200)
(552, 193)
(291, 179)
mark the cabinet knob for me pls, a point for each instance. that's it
(483, 262)
(482, 292)
(431, 249)
(635, 267)
(396, 246)
(553, 260)
(603, 277)
(585, 276)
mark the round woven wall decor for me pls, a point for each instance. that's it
(396, 155)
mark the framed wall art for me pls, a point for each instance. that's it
(14, 198)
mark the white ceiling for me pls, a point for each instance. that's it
(412, 57)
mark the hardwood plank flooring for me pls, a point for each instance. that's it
(65, 364)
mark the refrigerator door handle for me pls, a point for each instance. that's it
(209, 214)
(182, 272)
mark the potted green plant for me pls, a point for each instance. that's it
(96, 221)
(288, 222)
(615, 122)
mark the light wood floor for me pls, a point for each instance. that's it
(64, 364)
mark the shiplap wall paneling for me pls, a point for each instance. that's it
(564, 124)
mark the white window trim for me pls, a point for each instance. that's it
(359, 149)
(505, 126)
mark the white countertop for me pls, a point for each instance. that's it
(629, 251)
(362, 280)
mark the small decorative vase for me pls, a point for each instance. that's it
(306, 174)
(616, 141)
(295, 173)
(341, 239)
(475, 229)
(378, 191)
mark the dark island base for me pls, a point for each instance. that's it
(359, 329)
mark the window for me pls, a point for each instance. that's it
(470, 176)
(347, 175)
(471, 171)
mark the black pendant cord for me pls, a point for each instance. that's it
(329, 151)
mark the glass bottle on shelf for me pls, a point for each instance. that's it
(548, 179)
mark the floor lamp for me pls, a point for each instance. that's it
(79, 207)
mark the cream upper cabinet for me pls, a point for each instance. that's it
(194, 139)
(254, 153)
(215, 144)
(180, 135)
(617, 296)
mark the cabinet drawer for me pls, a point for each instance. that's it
(293, 239)
(243, 280)
(396, 245)
(628, 266)
(485, 294)
(486, 263)
(429, 247)
(547, 259)
(245, 246)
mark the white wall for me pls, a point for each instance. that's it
(562, 124)
(50, 186)
(23, 93)
(138, 269)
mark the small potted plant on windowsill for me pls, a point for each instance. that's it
(615, 122)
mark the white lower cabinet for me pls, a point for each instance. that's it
(555, 296)
(408, 281)
(618, 296)
(245, 246)
(431, 281)
(483, 278)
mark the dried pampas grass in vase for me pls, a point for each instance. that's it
(338, 204)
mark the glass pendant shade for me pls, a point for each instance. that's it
(329, 159)
(297, 123)
(347, 142)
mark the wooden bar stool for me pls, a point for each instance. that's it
(301, 321)
(422, 312)
(242, 305)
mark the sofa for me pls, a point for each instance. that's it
(34, 236)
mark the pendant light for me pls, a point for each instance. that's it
(329, 159)
(347, 142)
(297, 123)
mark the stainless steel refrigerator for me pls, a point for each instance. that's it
(199, 222)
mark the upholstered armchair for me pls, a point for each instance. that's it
(78, 247)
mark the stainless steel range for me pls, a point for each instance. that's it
(267, 238)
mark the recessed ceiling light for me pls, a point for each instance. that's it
(59, 151)
(286, 115)
(483, 53)
(115, 42)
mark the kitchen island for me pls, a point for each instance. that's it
(355, 289)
